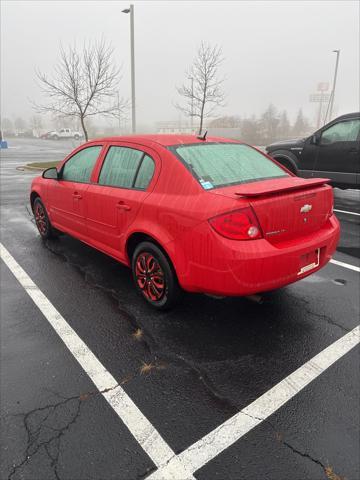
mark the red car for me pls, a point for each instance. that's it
(214, 216)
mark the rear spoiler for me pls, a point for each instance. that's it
(267, 187)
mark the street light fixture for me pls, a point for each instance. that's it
(132, 47)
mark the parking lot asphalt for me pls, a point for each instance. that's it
(187, 371)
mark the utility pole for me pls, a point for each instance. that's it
(331, 104)
(132, 47)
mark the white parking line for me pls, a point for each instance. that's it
(140, 427)
(208, 447)
(349, 213)
(184, 465)
(345, 265)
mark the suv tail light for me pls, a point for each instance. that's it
(238, 225)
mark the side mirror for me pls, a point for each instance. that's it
(315, 139)
(51, 173)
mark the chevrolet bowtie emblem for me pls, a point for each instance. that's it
(305, 208)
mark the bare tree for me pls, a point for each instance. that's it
(7, 124)
(36, 124)
(301, 125)
(204, 92)
(269, 123)
(284, 125)
(20, 124)
(84, 84)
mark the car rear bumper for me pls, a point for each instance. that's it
(220, 266)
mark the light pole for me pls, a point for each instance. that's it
(331, 104)
(132, 47)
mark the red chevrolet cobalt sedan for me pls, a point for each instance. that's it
(185, 213)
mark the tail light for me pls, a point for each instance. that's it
(238, 225)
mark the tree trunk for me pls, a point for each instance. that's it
(201, 118)
(202, 110)
(84, 129)
(201, 122)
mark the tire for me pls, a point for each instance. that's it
(76, 137)
(42, 220)
(154, 276)
(55, 137)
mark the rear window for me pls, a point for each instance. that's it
(222, 164)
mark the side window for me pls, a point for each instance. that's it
(341, 132)
(145, 173)
(79, 167)
(120, 167)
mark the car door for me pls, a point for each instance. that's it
(337, 152)
(66, 196)
(126, 178)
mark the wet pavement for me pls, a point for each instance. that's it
(188, 370)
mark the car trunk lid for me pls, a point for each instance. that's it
(286, 207)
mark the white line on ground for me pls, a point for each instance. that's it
(345, 211)
(140, 427)
(345, 265)
(208, 447)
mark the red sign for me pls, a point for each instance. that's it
(323, 86)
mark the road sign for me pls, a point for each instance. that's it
(323, 86)
(320, 97)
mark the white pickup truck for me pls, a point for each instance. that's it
(64, 133)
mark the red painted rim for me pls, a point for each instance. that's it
(150, 277)
(40, 218)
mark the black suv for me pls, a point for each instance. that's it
(331, 152)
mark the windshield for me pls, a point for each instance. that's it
(221, 164)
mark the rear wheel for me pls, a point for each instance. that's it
(42, 220)
(154, 276)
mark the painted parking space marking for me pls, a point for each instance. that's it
(226, 434)
(345, 265)
(169, 465)
(345, 211)
(140, 427)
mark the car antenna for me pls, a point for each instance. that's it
(202, 137)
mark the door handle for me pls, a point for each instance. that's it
(122, 206)
(77, 195)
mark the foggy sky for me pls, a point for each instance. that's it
(274, 51)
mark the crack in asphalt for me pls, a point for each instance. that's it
(42, 435)
(329, 473)
(326, 469)
(152, 346)
(323, 316)
(156, 350)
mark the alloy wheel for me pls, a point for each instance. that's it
(40, 219)
(150, 277)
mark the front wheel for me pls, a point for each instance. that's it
(42, 220)
(154, 276)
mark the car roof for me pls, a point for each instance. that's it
(164, 140)
(347, 115)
